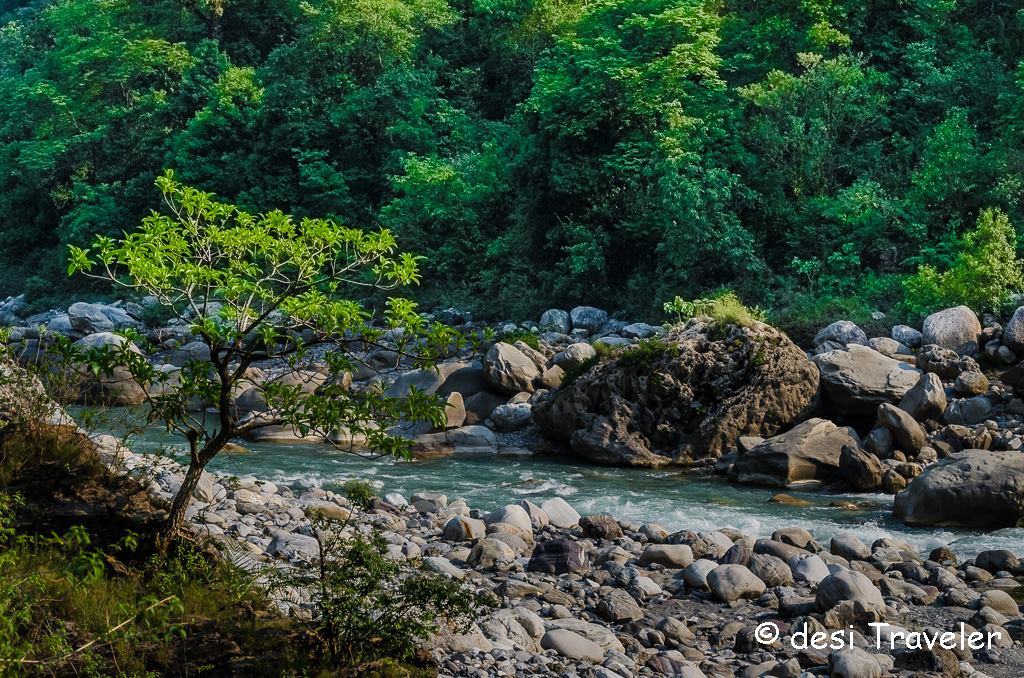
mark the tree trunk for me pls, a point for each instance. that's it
(176, 516)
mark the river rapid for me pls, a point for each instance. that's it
(674, 499)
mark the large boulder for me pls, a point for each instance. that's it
(908, 434)
(689, 395)
(956, 328)
(973, 488)
(860, 469)
(117, 387)
(809, 451)
(856, 381)
(509, 370)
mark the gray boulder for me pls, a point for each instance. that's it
(808, 451)
(558, 556)
(906, 335)
(842, 332)
(857, 380)
(860, 469)
(973, 488)
(511, 416)
(968, 411)
(1013, 333)
(574, 355)
(847, 585)
(926, 400)
(572, 646)
(734, 582)
(908, 434)
(587, 318)
(957, 329)
(509, 370)
(555, 320)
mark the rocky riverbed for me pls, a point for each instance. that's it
(933, 417)
(594, 596)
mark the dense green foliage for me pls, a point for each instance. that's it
(809, 155)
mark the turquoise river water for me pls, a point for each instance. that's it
(674, 499)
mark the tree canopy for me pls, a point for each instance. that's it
(810, 155)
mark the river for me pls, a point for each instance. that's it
(674, 499)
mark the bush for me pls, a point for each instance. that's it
(985, 273)
(724, 308)
(370, 607)
(529, 338)
(359, 492)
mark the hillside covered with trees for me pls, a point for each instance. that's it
(817, 156)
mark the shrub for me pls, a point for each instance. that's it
(983, 276)
(527, 337)
(724, 308)
(359, 492)
(369, 606)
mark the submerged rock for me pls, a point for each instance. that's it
(688, 396)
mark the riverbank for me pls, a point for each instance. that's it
(594, 595)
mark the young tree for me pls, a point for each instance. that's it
(256, 288)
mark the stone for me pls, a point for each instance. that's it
(771, 570)
(428, 502)
(696, 575)
(973, 488)
(600, 526)
(970, 384)
(640, 407)
(1000, 601)
(572, 646)
(946, 363)
(906, 335)
(639, 331)
(853, 662)
(558, 556)
(443, 566)
(968, 411)
(617, 606)
(555, 320)
(512, 514)
(957, 329)
(857, 380)
(587, 318)
(862, 470)
(509, 370)
(926, 400)
(480, 405)
(673, 556)
(559, 513)
(808, 451)
(996, 560)
(537, 515)
(294, 546)
(848, 545)
(511, 417)
(1013, 333)
(889, 347)
(461, 528)
(89, 318)
(908, 434)
(808, 567)
(847, 585)
(734, 582)
(574, 355)
(490, 553)
(842, 332)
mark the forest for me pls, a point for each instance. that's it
(821, 158)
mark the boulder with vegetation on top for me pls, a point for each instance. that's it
(686, 396)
